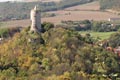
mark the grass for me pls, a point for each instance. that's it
(2, 24)
(101, 35)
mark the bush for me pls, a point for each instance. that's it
(4, 32)
(46, 26)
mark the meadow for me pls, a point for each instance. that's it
(101, 35)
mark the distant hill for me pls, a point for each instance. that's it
(42, 0)
(110, 4)
(21, 10)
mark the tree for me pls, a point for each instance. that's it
(46, 26)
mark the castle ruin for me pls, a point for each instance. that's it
(35, 17)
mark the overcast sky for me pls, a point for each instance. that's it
(8, 0)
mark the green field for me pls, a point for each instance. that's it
(101, 35)
(2, 24)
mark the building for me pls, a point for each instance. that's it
(117, 51)
(35, 16)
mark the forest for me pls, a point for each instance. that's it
(57, 53)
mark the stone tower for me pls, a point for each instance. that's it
(35, 16)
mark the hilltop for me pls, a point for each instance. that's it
(55, 54)
(61, 52)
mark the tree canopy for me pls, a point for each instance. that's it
(56, 54)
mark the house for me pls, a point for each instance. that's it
(117, 51)
(114, 50)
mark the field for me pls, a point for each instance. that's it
(101, 35)
(90, 6)
(88, 11)
(80, 15)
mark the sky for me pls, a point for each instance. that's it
(8, 0)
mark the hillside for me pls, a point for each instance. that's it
(110, 4)
(42, 0)
(88, 11)
(86, 7)
(21, 10)
(56, 54)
